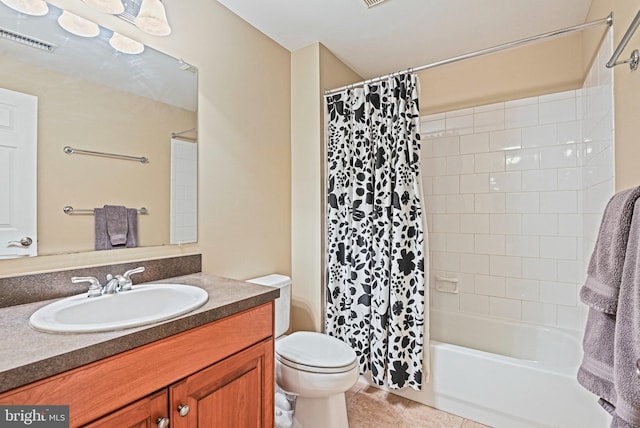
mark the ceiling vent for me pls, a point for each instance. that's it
(26, 40)
(371, 3)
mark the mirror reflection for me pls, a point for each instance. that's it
(82, 93)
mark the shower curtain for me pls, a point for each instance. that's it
(375, 256)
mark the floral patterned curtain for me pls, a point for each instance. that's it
(375, 237)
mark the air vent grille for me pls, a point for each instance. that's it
(371, 3)
(26, 40)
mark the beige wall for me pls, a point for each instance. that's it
(545, 67)
(313, 69)
(244, 144)
(626, 88)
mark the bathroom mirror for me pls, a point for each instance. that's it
(93, 97)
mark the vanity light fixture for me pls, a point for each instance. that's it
(28, 7)
(125, 44)
(114, 7)
(152, 18)
(78, 25)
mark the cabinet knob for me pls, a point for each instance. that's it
(162, 422)
(638, 367)
(183, 410)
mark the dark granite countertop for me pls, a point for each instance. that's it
(27, 355)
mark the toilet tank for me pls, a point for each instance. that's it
(282, 303)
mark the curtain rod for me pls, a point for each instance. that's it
(608, 20)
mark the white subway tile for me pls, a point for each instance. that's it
(445, 301)
(506, 224)
(521, 102)
(558, 247)
(540, 224)
(459, 125)
(522, 159)
(522, 246)
(540, 180)
(446, 261)
(571, 271)
(474, 303)
(524, 202)
(431, 117)
(463, 164)
(570, 132)
(558, 293)
(474, 183)
(565, 202)
(434, 166)
(427, 185)
(505, 181)
(570, 318)
(474, 223)
(461, 112)
(446, 146)
(489, 107)
(474, 263)
(489, 244)
(505, 140)
(540, 136)
(490, 285)
(435, 204)
(505, 308)
(490, 162)
(474, 143)
(569, 179)
(437, 241)
(557, 111)
(432, 127)
(466, 281)
(460, 243)
(521, 116)
(523, 289)
(539, 313)
(542, 269)
(446, 185)
(570, 225)
(563, 156)
(505, 266)
(460, 204)
(490, 203)
(488, 121)
(556, 96)
(446, 223)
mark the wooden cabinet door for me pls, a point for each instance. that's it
(237, 392)
(143, 413)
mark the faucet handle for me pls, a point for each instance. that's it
(127, 274)
(94, 286)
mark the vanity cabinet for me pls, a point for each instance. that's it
(223, 372)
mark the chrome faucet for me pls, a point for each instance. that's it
(115, 284)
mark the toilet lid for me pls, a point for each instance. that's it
(315, 352)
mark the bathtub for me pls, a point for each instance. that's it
(506, 374)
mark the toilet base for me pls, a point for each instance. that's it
(322, 412)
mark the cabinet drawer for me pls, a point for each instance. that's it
(101, 387)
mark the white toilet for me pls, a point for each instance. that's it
(318, 369)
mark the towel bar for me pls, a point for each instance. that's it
(70, 210)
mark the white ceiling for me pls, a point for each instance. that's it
(399, 34)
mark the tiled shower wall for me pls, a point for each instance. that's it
(514, 194)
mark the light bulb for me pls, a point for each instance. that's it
(152, 18)
(28, 7)
(125, 44)
(77, 25)
(114, 7)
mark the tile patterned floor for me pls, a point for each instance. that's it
(370, 407)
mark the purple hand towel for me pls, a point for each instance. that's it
(102, 236)
(117, 224)
(132, 228)
(600, 290)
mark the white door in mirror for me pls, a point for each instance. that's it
(18, 174)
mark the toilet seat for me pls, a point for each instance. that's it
(315, 352)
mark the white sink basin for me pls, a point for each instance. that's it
(143, 304)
